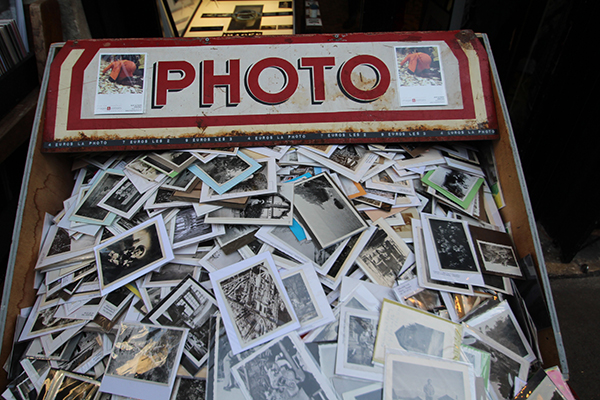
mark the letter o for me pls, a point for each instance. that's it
(289, 73)
(347, 86)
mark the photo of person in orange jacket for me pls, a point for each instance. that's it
(122, 71)
(419, 63)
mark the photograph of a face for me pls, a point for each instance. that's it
(326, 211)
(132, 254)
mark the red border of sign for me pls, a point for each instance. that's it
(91, 48)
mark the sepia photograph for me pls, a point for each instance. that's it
(356, 342)
(268, 209)
(403, 327)
(132, 254)
(384, 256)
(188, 305)
(283, 369)
(410, 376)
(263, 181)
(224, 172)
(325, 211)
(307, 297)
(144, 361)
(187, 228)
(254, 304)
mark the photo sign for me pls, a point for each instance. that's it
(257, 91)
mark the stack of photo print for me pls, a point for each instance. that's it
(311, 272)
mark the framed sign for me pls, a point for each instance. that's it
(257, 91)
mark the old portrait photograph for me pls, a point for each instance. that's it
(325, 211)
(409, 376)
(132, 254)
(124, 199)
(384, 256)
(356, 342)
(254, 304)
(282, 369)
(224, 172)
(147, 355)
(120, 87)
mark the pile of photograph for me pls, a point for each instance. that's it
(311, 272)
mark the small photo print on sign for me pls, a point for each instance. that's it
(420, 76)
(121, 84)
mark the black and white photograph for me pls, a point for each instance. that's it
(143, 170)
(500, 324)
(263, 181)
(459, 186)
(422, 267)
(124, 199)
(224, 172)
(403, 327)
(325, 211)
(188, 228)
(216, 259)
(254, 304)
(370, 392)
(236, 236)
(185, 181)
(384, 256)
(59, 247)
(304, 251)
(132, 254)
(268, 209)
(505, 365)
(159, 165)
(42, 322)
(409, 376)
(353, 162)
(450, 253)
(177, 160)
(88, 210)
(171, 274)
(190, 306)
(308, 298)
(283, 369)
(144, 361)
(356, 342)
(186, 389)
(499, 259)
